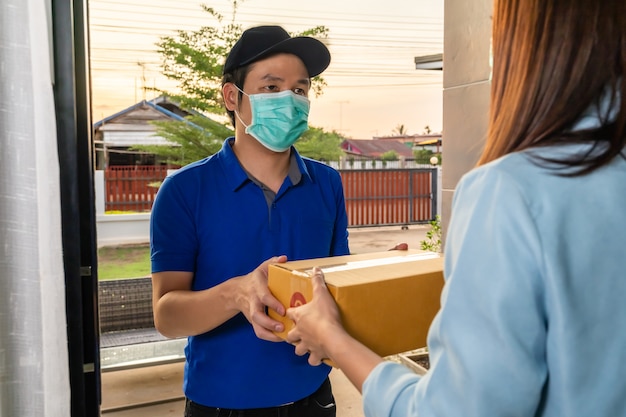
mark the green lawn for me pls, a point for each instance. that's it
(128, 261)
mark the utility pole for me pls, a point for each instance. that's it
(341, 103)
(143, 79)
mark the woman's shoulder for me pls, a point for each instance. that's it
(538, 183)
(517, 167)
(532, 167)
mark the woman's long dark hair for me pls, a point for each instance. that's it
(553, 59)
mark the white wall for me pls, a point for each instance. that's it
(132, 138)
(122, 229)
(118, 229)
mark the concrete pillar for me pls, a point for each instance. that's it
(98, 181)
(466, 86)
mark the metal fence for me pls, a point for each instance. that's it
(390, 196)
(374, 197)
(132, 188)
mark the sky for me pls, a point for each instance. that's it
(372, 87)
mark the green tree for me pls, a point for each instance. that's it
(422, 156)
(400, 130)
(194, 59)
(389, 156)
(193, 139)
(320, 145)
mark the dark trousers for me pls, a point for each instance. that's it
(319, 404)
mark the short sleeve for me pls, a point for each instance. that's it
(173, 241)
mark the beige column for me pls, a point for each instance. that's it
(466, 73)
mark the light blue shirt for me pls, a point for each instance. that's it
(533, 317)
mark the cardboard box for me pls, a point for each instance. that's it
(387, 300)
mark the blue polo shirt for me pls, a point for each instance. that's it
(210, 218)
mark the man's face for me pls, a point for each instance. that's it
(272, 75)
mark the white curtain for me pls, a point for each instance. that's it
(34, 374)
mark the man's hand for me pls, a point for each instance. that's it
(255, 297)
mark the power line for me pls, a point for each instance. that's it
(315, 14)
(369, 51)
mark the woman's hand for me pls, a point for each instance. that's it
(316, 322)
(318, 332)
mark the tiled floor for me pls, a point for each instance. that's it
(156, 391)
(145, 391)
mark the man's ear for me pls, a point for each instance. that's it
(229, 92)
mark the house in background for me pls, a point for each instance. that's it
(374, 148)
(114, 136)
(402, 145)
(407, 140)
(431, 142)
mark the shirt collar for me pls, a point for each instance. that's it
(602, 112)
(237, 176)
(301, 166)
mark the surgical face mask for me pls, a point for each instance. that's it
(278, 119)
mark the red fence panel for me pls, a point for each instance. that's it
(132, 188)
(374, 197)
(389, 196)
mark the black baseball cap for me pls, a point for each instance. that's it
(262, 41)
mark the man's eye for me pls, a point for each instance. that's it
(300, 91)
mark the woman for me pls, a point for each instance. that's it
(533, 314)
